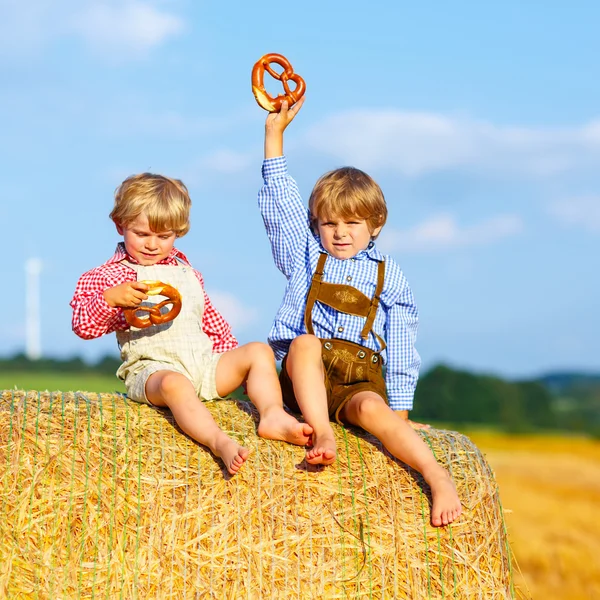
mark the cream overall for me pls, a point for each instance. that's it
(179, 345)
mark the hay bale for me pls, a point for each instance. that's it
(100, 497)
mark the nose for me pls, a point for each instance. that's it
(151, 242)
(340, 231)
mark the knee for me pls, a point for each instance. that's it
(369, 406)
(305, 344)
(171, 384)
(261, 352)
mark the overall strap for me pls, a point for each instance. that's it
(364, 334)
(313, 293)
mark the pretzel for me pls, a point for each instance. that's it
(155, 316)
(258, 88)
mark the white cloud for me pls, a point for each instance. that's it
(442, 232)
(132, 26)
(115, 28)
(416, 143)
(583, 211)
(236, 314)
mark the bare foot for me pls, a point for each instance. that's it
(231, 453)
(323, 451)
(446, 504)
(276, 424)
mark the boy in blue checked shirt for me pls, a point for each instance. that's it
(347, 309)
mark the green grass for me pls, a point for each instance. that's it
(64, 382)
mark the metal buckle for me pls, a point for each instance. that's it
(328, 345)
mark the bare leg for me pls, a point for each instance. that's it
(167, 388)
(369, 411)
(255, 364)
(305, 368)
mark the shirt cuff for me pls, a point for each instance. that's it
(400, 400)
(273, 167)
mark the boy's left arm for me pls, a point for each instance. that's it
(214, 324)
(403, 360)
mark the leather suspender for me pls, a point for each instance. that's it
(313, 293)
(313, 296)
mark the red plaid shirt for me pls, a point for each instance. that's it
(93, 317)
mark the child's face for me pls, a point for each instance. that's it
(344, 237)
(147, 247)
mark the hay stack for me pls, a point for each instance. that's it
(102, 498)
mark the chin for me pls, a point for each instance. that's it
(343, 253)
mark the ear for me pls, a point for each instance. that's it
(314, 224)
(376, 231)
(119, 228)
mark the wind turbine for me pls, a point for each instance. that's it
(33, 346)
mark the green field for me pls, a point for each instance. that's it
(65, 382)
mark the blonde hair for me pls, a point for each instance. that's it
(165, 202)
(345, 193)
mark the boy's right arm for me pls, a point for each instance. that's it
(98, 302)
(284, 214)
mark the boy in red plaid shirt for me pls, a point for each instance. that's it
(193, 357)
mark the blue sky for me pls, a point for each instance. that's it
(480, 122)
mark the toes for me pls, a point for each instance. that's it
(315, 456)
(238, 460)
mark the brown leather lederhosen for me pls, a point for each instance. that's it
(349, 367)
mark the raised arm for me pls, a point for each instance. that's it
(284, 214)
(275, 125)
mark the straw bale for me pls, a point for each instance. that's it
(105, 498)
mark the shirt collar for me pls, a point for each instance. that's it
(121, 254)
(370, 251)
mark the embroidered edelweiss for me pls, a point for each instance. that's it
(345, 296)
(344, 355)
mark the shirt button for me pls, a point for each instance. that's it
(349, 278)
(340, 329)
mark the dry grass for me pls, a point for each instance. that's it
(100, 498)
(550, 488)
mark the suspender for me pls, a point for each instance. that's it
(317, 284)
(313, 293)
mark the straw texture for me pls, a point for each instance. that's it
(104, 498)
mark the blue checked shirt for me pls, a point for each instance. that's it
(296, 250)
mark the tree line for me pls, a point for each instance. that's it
(457, 397)
(558, 401)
